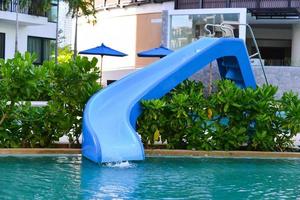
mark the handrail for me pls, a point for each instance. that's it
(223, 27)
(251, 4)
(255, 44)
(27, 9)
(216, 25)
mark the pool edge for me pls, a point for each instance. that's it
(229, 154)
(12, 151)
(158, 152)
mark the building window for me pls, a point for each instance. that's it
(44, 48)
(52, 13)
(186, 28)
(2, 45)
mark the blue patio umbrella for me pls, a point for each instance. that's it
(160, 52)
(103, 50)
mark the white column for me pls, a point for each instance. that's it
(296, 45)
(243, 20)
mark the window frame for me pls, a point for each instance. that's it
(4, 36)
(53, 3)
(42, 47)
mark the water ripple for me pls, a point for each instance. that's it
(71, 177)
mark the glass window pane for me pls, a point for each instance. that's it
(188, 28)
(52, 13)
(2, 45)
(44, 48)
(48, 49)
(35, 47)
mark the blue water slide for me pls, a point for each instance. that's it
(109, 121)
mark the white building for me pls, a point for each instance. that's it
(36, 32)
(135, 25)
(65, 26)
(127, 28)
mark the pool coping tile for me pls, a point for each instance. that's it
(159, 152)
(255, 154)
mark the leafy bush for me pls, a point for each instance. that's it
(65, 54)
(73, 83)
(66, 87)
(229, 119)
(174, 116)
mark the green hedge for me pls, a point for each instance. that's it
(66, 87)
(229, 119)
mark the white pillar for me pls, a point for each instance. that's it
(243, 20)
(296, 45)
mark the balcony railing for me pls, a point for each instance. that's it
(252, 4)
(12, 7)
(108, 4)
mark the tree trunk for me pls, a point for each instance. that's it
(210, 79)
(56, 44)
(75, 36)
(17, 25)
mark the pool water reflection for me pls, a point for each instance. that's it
(73, 177)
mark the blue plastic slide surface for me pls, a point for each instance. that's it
(110, 116)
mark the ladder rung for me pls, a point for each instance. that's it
(253, 55)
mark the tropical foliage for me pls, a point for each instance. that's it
(78, 8)
(66, 87)
(65, 54)
(229, 119)
(39, 6)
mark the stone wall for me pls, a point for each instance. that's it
(285, 78)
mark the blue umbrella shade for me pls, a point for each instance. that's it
(103, 51)
(155, 52)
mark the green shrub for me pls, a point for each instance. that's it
(66, 87)
(65, 54)
(174, 115)
(73, 83)
(229, 119)
(247, 111)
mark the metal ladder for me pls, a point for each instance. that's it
(224, 26)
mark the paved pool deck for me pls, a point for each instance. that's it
(158, 152)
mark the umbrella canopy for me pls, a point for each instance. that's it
(103, 51)
(160, 52)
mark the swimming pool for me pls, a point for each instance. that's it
(72, 177)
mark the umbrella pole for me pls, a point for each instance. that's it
(101, 62)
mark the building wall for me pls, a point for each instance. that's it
(148, 35)
(65, 25)
(117, 32)
(285, 78)
(129, 29)
(137, 28)
(296, 45)
(9, 28)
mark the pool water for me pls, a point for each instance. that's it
(73, 177)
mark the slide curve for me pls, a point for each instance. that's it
(110, 115)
